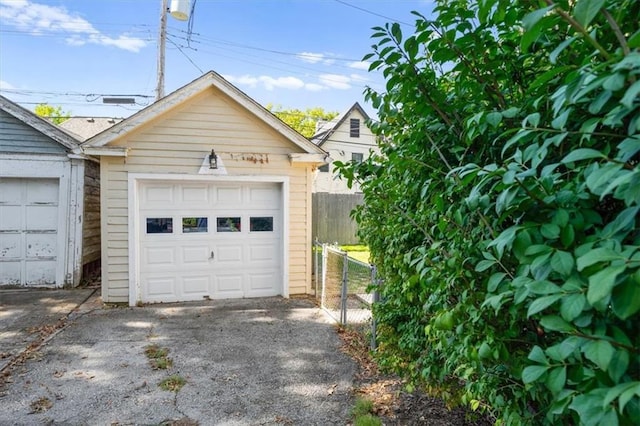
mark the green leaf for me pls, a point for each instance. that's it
(625, 220)
(618, 365)
(484, 351)
(537, 249)
(555, 323)
(626, 396)
(544, 287)
(616, 391)
(537, 355)
(494, 118)
(556, 379)
(532, 18)
(567, 235)
(599, 352)
(553, 56)
(542, 303)
(561, 120)
(572, 305)
(550, 231)
(562, 262)
(601, 176)
(602, 282)
(483, 265)
(634, 40)
(396, 32)
(625, 300)
(594, 256)
(631, 95)
(586, 10)
(582, 154)
(495, 280)
(532, 373)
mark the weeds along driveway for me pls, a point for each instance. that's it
(245, 362)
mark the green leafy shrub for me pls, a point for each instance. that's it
(503, 210)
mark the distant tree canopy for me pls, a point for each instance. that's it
(56, 114)
(302, 121)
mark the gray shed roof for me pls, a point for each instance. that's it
(87, 127)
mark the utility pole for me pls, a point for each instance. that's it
(162, 39)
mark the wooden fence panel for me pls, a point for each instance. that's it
(331, 217)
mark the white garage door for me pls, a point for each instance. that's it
(204, 240)
(28, 231)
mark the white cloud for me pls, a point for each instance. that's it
(267, 82)
(243, 80)
(312, 58)
(313, 87)
(336, 81)
(281, 82)
(359, 78)
(360, 65)
(6, 86)
(40, 19)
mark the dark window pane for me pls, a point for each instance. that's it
(194, 224)
(228, 224)
(324, 168)
(261, 224)
(354, 128)
(159, 225)
(357, 157)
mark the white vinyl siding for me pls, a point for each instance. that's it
(177, 142)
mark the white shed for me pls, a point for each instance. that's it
(205, 195)
(49, 203)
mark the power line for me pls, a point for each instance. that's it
(372, 13)
(185, 55)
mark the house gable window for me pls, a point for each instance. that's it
(357, 157)
(354, 127)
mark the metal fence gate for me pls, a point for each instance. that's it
(345, 287)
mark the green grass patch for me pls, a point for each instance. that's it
(359, 252)
(154, 351)
(172, 383)
(362, 413)
(158, 358)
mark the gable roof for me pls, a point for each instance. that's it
(197, 86)
(86, 127)
(40, 124)
(326, 130)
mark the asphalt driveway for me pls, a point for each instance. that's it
(244, 362)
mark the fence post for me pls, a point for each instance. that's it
(343, 296)
(324, 275)
(375, 299)
(314, 250)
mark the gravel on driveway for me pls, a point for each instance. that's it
(270, 361)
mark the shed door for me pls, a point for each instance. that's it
(204, 240)
(28, 231)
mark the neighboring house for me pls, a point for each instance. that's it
(85, 127)
(345, 138)
(49, 203)
(205, 194)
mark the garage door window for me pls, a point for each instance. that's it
(228, 224)
(159, 225)
(261, 224)
(194, 224)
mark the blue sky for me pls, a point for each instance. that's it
(292, 53)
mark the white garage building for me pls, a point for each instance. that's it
(49, 203)
(205, 194)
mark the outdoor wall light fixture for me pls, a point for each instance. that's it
(213, 160)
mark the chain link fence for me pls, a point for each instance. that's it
(345, 287)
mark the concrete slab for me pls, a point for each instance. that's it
(27, 315)
(245, 362)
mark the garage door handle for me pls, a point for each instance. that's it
(212, 256)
